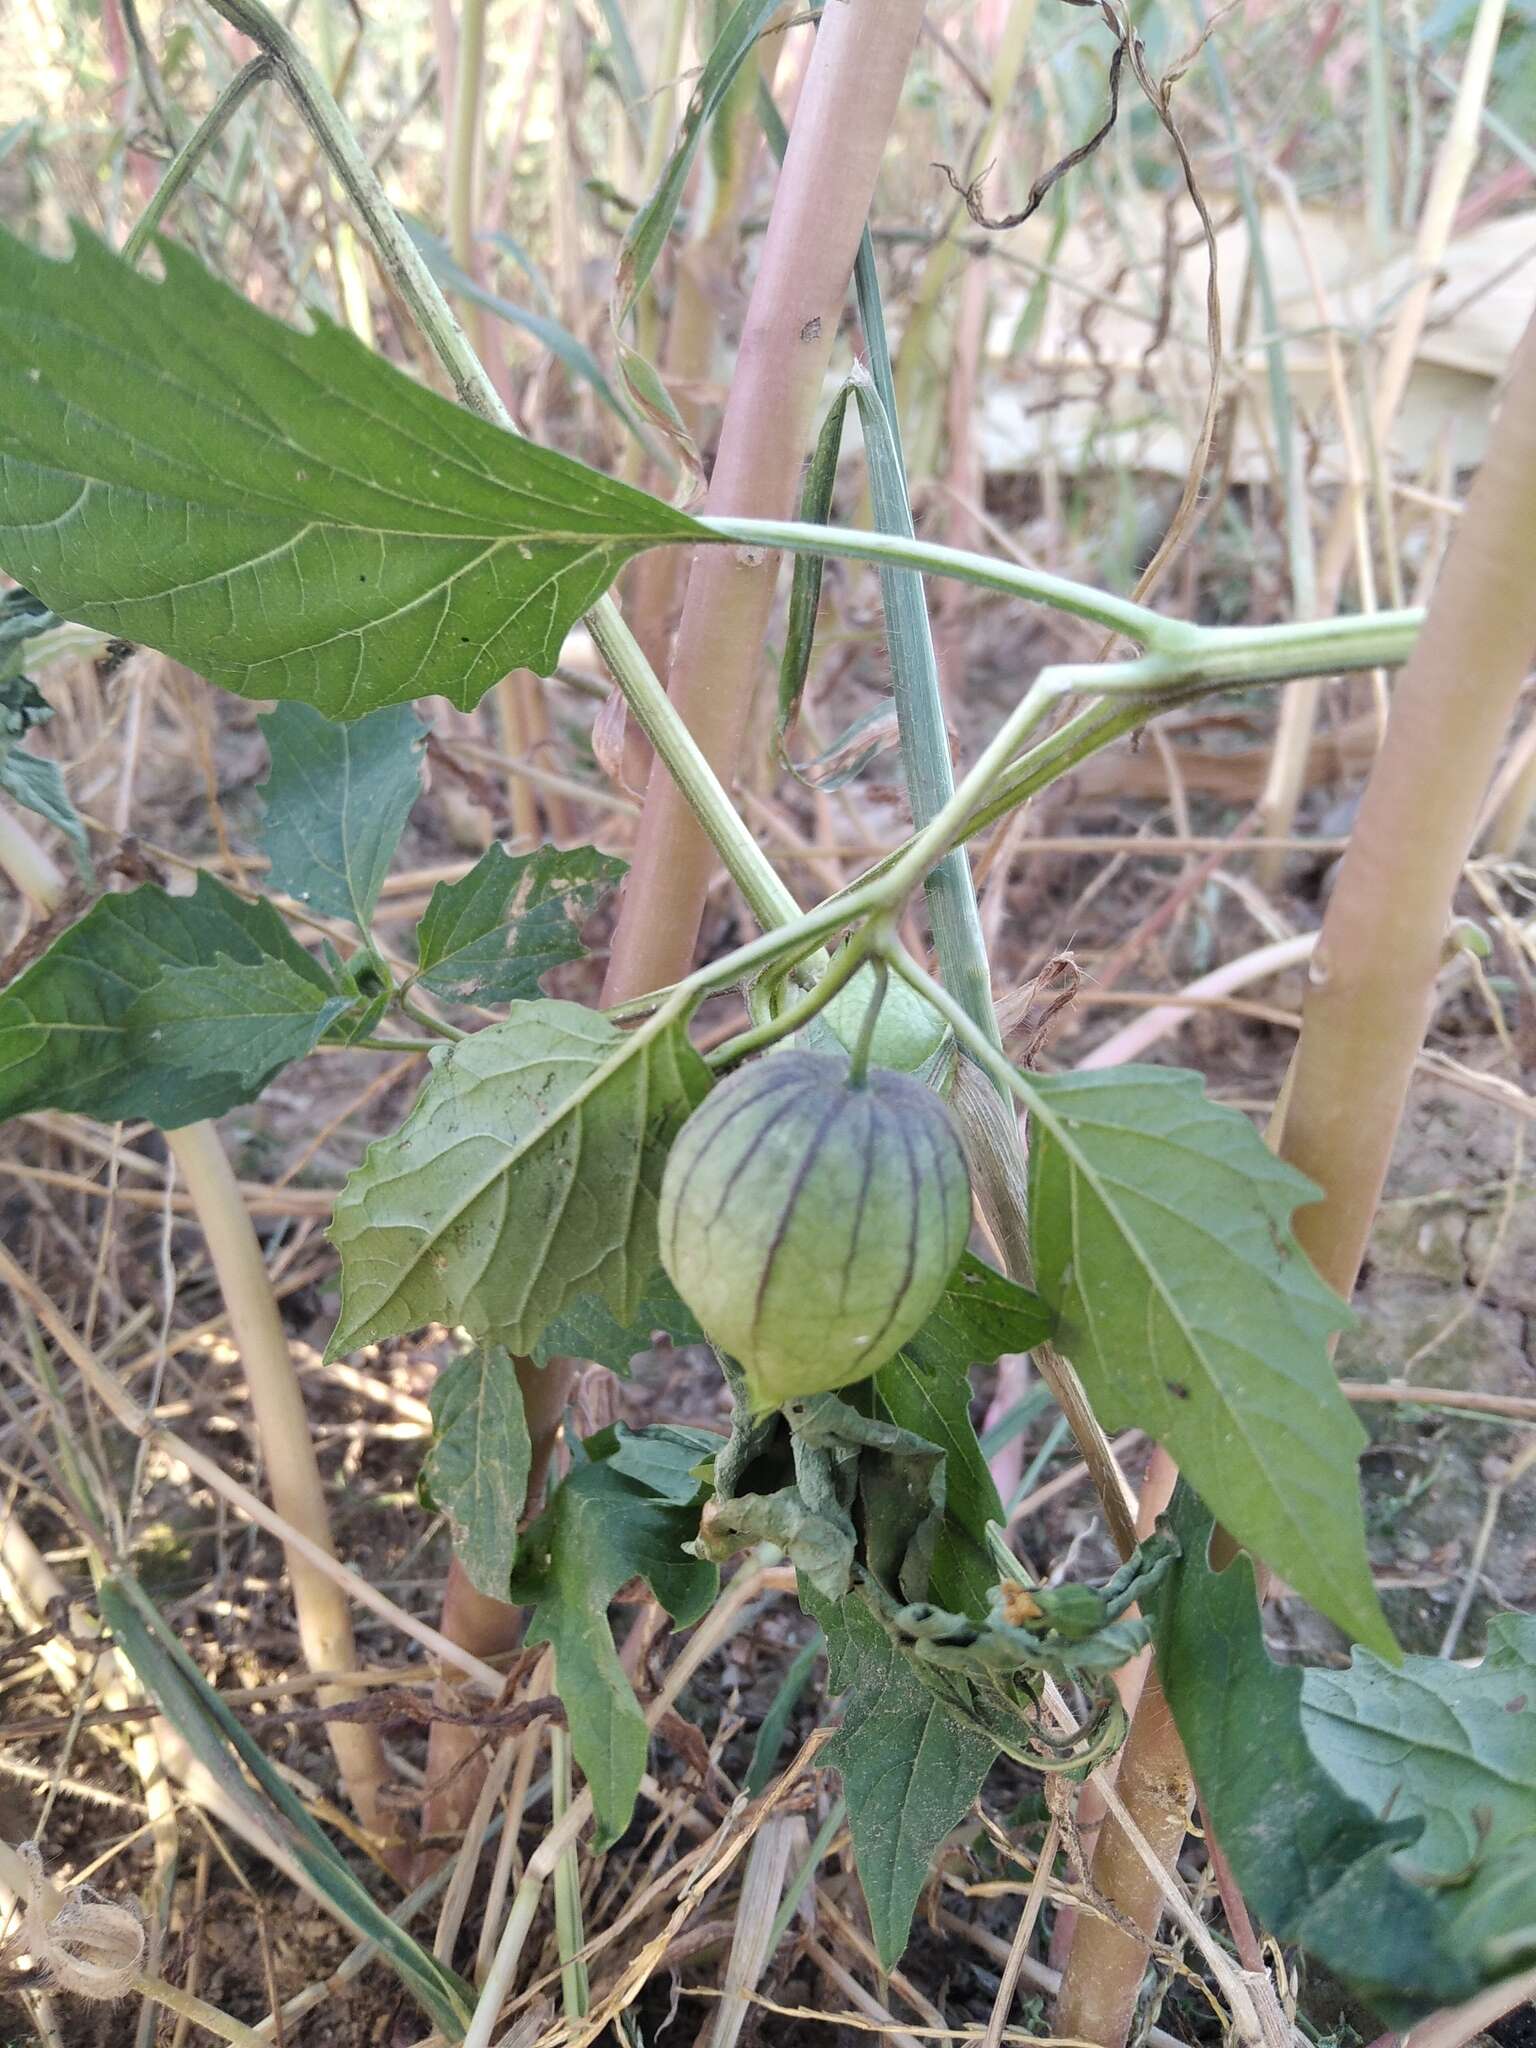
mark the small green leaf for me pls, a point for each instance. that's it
(589, 1328)
(1454, 1747)
(476, 1472)
(78, 1030)
(286, 513)
(601, 1530)
(1317, 1866)
(1161, 1225)
(337, 800)
(32, 780)
(910, 1769)
(36, 784)
(526, 1176)
(491, 936)
(663, 1457)
(926, 1388)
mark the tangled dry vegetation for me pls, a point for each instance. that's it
(1054, 381)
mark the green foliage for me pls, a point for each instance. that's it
(526, 1176)
(590, 1329)
(1162, 1240)
(476, 1472)
(910, 1767)
(31, 780)
(337, 800)
(1313, 1860)
(491, 936)
(604, 1527)
(171, 1008)
(1454, 1748)
(926, 1388)
(286, 513)
(664, 1457)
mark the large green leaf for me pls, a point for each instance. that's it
(601, 1529)
(491, 936)
(590, 1329)
(910, 1769)
(1162, 1238)
(476, 1472)
(1455, 1747)
(286, 513)
(168, 1007)
(1318, 1866)
(526, 1176)
(926, 1388)
(337, 800)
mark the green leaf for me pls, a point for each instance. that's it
(910, 1768)
(337, 800)
(1454, 1747)
(78, 1030)
(601, 1530)
(245, 1019)
(286, 513)
(491, 936)
(1162, 1241)
(36, 784)
(31, 780)
(663, 1457)
(590, 1329)
(274, 1811)
(476, 1472)
(926, 1388)
(1316, 1865)
(526, 1176)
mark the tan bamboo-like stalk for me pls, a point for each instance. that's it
(1453, 167)
(835, 146)
(324, 1619)
(1367, 1004)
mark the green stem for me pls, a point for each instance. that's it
(951, 892)
(846, 962)
(900, 551)
(749, 867)
(858, 1064)
(196, 146)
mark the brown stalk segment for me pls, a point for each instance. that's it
(1363, 1022)
(835, 146)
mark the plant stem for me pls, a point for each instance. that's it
(1372, 978)
(851, 91)
(197, 145)
(901, 551)
(749, 867)
(293, 1476)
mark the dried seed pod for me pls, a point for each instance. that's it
(811, 1222)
